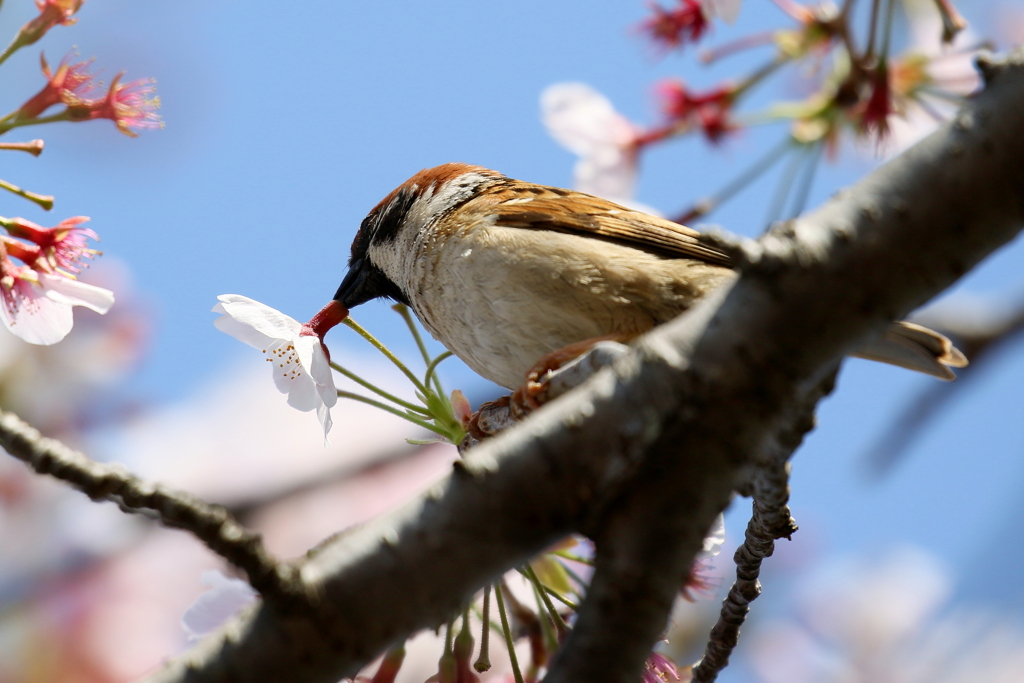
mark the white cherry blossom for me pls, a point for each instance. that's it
(299, 359)
(584, 121)
(36, 306)
(928, 78)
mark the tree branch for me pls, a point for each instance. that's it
(645, 454)
(770, 521)
(211, 524)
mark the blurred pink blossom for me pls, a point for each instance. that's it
(683, 108)
(688, 21)
(51, 13)
(129, 105)
(583, 121)
(68, 85)
(926, 80)
(37, 305)
(878, 620)
(660, 669)
(63, 246)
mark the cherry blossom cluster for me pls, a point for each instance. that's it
(860, 88)
(37, 294)
(39, 266)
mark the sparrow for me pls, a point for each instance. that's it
(504, 272)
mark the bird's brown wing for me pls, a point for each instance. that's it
(582, 214)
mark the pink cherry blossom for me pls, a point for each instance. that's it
(51, 13)
(927, 79)
(684, 109)
(36, 306)
(62, 247)
(129, 105)
(660, 669)
(583, 121)
(69, 84)
(673, 28)
(688, 21)
(700, 580)
(299, 359)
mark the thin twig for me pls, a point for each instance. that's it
(770, 521)
(211, 524)
(759, 543)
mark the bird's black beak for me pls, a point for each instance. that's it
(357, 287)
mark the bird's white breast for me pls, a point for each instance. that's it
(501, 298)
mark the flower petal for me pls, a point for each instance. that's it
(611, 175)
(583, 120)
(302, 393)
(314, 360)
(323, 413)
(243, 332)
(262, 318)
(74, 293)
(726, 10)
(38, 318)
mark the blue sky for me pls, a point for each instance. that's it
(287, 122)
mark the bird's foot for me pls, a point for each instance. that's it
(533, 393)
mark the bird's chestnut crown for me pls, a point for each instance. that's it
(415, 205)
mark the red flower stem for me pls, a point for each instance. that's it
(952, 21)
(45, 201)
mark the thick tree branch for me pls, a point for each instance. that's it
(647, 452)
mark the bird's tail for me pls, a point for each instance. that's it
(916, 348)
